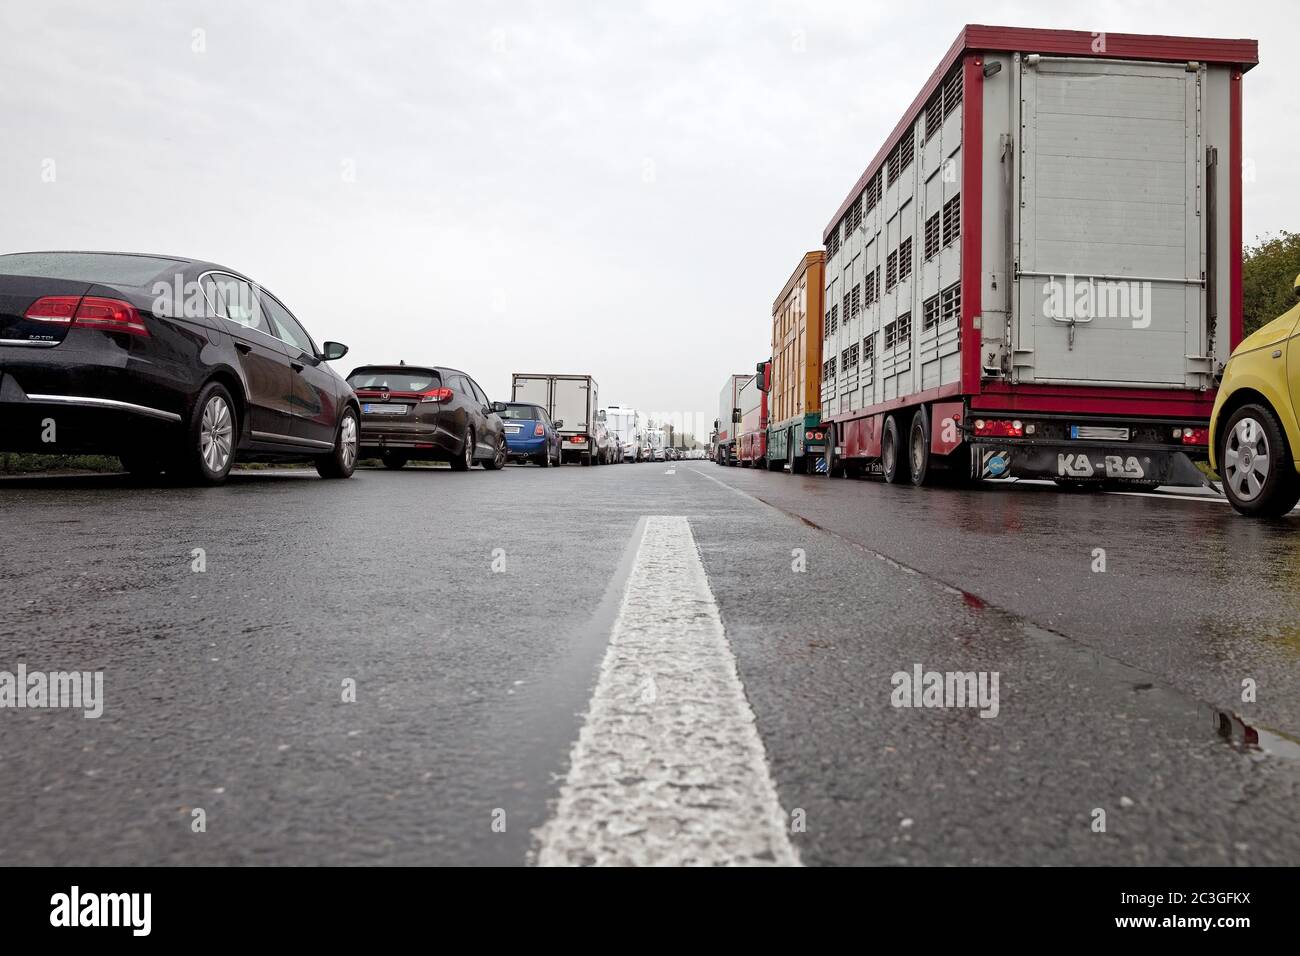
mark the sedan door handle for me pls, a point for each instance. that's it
(296, 366)
(244, 347)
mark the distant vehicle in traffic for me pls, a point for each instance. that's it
(625, 424)
(604, 443)
(173, 364)
(655, 444)
(530, 434)
(574, 399)
(1255, 425)
(427, 413)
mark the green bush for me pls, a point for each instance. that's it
(1268, 269)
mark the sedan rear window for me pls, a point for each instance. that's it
(522, 413)
(105, 267)
(396, 380)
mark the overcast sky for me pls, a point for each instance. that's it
(615, 188)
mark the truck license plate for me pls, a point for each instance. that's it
(1099, 433)
(1111, 466)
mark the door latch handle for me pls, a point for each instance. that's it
(296, 366)
(243, 347)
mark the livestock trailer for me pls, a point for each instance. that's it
(794, 435)
(1039, 272)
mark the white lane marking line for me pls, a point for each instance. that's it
(671, 471)
(668, 768)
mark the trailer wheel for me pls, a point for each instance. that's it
(918, 445)
(893, 461)
(834, 469)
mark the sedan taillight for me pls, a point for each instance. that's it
(91, 312)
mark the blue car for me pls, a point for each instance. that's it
(530, 434)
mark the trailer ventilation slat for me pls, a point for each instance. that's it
(951, 220)
(932, 237)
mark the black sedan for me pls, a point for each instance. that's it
(172, 364)
(428, 413)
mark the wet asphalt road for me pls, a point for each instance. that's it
(224, 687)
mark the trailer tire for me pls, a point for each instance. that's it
(918, 448)
(893, 463)
(833, 468)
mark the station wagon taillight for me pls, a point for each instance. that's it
(91, 312)
(437, 395)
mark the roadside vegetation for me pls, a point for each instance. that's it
(1268, 269)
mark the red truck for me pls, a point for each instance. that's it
(1039, 273)
(751, 445)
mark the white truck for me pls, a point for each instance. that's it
(624, 426)
(655, 444)
(572, 402)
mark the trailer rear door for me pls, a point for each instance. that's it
(535, 390)
(574, 405)
(1110, 224)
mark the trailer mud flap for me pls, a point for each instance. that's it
(1070, 463)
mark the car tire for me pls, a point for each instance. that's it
(207, 452)
(544, 459)
(342, 461)
(918, 448)
(893, 463)
(1267, 491)
(465, 460)
(498, 459)
(395, 462)
(559, 455)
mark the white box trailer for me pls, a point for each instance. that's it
(624, 425)
(727, 425)
(1039, 273)
(572, 400)
(655, 444)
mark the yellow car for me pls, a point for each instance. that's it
(1254, 433)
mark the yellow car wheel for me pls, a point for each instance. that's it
(1256, 464)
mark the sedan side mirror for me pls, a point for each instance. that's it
(558, 423)
(334, 350)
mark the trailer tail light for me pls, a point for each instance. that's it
(578, 439)
(88, 312)
(999, 427)
(539, 430)
(1193, 436)
(437, 395)
(814, 436)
